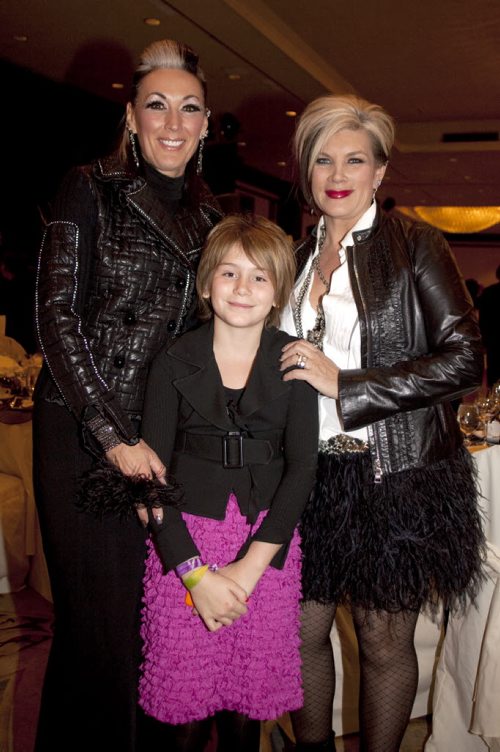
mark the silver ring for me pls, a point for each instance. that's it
(301, 360)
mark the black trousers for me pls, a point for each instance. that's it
(89, 698)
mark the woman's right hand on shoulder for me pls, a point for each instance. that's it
(218, 600)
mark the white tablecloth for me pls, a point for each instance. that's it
(466, 709)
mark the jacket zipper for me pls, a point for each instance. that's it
(372, 432)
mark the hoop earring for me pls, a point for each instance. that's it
(133, 145)
(199, 161)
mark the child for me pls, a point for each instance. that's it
(242, 443)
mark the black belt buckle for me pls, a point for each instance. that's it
(232, 450)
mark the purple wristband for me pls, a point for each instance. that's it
(188, 566)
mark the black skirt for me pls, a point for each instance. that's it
(409, 541)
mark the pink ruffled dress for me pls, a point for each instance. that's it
(251, 667)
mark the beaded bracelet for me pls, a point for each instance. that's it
(104, 433)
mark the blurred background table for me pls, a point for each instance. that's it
(466, 706)
(21, 552)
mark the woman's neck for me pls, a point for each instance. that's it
(337, 229)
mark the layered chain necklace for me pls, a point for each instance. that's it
(315, 335)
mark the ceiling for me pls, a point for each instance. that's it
(435, 66)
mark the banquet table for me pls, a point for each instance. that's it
(466, 708)
(450, 697)
(21, 532)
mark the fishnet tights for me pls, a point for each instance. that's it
(388, 676)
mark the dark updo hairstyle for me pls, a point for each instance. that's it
(163, 54)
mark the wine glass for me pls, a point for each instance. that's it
(495, 395)
(486, 407)
(468, 420)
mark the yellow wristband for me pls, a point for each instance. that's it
(194, 577)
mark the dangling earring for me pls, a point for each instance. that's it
(133, 146)
(376, 188)
(199, 161)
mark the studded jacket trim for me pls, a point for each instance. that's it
(420, 344)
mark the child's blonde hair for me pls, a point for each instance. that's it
(264, 243)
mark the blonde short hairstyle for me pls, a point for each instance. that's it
(264, 243)
(326, 116)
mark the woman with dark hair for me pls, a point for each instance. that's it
(388, 338)
(115, 283)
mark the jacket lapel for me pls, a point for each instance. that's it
(265, 383)
(170, 228)
(201, 384)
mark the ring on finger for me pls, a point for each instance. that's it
(301, 360)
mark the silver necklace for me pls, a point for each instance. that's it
(316, 334)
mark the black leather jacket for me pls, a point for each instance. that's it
(420, 344)
(109, 297)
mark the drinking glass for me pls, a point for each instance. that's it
(486, 407)
(469, 421)
(495, 395)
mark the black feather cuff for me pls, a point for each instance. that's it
(105, 490)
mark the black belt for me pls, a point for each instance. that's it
(234, 449)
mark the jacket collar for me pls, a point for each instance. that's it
(183, 233)
(305, 248)
(202, 385)
(112, 168)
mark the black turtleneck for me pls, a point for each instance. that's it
(168, 189)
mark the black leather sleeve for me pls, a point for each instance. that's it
(63, 273)
(438, 311)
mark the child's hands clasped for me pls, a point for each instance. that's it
(240, 573)
(218, 600)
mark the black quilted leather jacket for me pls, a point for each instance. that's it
(102, 319)
(420, 344)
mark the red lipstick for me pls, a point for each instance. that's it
(338, 194)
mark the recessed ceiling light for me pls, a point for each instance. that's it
(234, 76)
(242, 143)
(152, 21)
(20, 37)
(281, 164)
(291, 113)
(117, 85)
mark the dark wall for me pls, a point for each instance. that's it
(46, 127)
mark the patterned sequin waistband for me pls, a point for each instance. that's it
(342, 444)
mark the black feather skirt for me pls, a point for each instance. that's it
(410, 541)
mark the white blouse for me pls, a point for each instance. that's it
(342, 341)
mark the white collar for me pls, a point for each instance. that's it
(365, 222)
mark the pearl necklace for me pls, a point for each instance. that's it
(316, 334)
